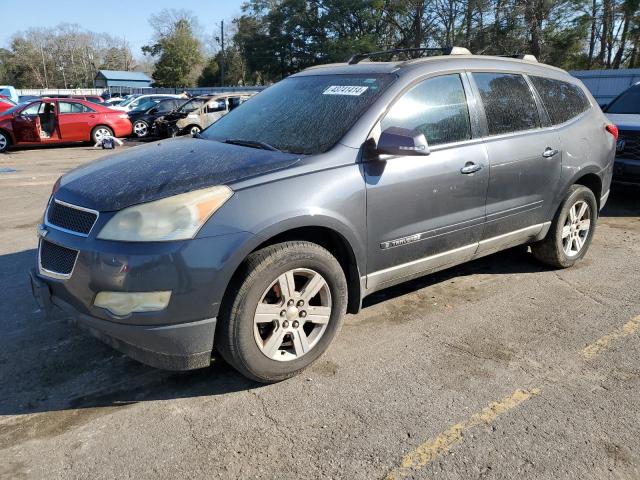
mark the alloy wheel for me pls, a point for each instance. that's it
(3, 142)
(141, 129)
(102, 133)
(292, 315)
(576, 228)
(194, 130)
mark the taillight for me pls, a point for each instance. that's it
(613, 130)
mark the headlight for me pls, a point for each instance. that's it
(173, 218)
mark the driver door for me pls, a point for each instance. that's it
(26, 124)
(213, 111)
(426, 212)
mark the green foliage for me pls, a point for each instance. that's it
(180, 57)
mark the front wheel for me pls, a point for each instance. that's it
(286, 306)
(5, 142)
(194, 130)
(571, 231)
(141, 129)
(101, 132)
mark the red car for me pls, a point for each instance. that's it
(60, 120)
(5, 104)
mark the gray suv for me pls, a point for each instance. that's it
(255, 238)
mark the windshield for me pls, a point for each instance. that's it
(129, 100)
(628, 102)
(305, 115)
(145, 105)
(192, 105)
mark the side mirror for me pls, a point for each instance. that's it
(402, 141)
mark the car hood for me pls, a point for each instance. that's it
(161, 169)
(625, 121)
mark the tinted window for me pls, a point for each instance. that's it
(167, 106)
(436, 107)
(562, 100)
(628, 102)
(33, 109)
(508, 103)
(73, 107)
(306, 114)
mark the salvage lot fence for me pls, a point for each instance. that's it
(128, 90)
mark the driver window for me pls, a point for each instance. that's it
(217, 106)
(31, 110)
(436, 107)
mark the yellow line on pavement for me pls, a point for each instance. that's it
(432, 449)
(629, 328)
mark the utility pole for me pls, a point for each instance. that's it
(222, 57)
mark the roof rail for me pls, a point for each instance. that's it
(424, 51)
(526, 57)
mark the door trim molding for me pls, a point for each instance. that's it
(398, 273)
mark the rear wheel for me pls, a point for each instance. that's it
(141, 129)
(287, 305)
(5, 142)
(100, 132)
(571, 231)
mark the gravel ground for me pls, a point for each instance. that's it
(495, 369)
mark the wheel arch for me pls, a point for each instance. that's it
(332, 239)
(593, 182)
(9, 134)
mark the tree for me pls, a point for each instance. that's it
(210, 75)
(180, 56)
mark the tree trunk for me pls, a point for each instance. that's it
(594, 31)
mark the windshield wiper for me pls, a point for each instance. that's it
(252, 144)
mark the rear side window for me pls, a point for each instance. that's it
(508, 102)
(73, 107)
(436, 107)
(562, 100)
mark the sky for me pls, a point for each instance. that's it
(119, 18)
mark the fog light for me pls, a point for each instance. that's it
(124, 303)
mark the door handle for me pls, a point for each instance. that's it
(549, 152)
(470, 167)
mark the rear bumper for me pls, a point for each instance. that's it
(626, 170)
(183, 346)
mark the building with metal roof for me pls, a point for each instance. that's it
(116, 78)
(605, 85)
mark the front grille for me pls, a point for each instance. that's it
(631, 148)
(57, 259)
(70, 218)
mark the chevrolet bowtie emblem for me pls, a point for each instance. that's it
(42, 231)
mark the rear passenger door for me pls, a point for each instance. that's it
(74, 121)
(525, 159)
(425, 212)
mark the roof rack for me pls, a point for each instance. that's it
(526, 57)
(425, 51)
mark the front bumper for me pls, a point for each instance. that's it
(183, 346)
(196, 272)
(626, 170)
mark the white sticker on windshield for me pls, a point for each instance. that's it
(350, 90)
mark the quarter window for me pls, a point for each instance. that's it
(73, 107)
(508, 102)
(562, 100)
(436, 107)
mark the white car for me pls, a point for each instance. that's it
(133, 102)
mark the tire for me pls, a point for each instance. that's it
(284, 338)
(567, 240)
(5, 142)
(193, 129)
(141, 129)
(99, 132)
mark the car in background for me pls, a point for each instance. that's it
(143, 117)
(136, 100)
(624, 112)
(53, 120)
(22, 99)
(9, 92)
(198, 113)
(6, 104)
